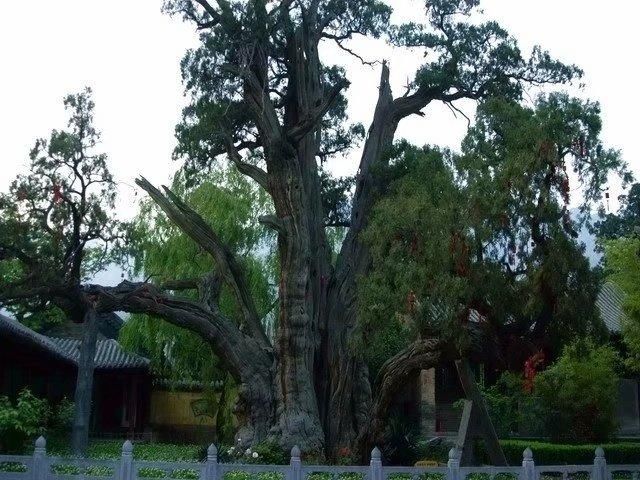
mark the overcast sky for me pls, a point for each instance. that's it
(129, 53)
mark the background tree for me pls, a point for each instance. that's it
(57, 229)
(622, 265)
(232, 204)
(484, 230)
(623, 223)
(262, 96)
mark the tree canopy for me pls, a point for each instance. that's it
(486, 235)
(263, 97)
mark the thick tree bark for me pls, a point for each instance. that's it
(84, 385)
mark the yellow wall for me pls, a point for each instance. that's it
(174, 408)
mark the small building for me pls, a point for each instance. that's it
(48, 367)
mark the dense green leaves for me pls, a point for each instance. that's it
(474, 60)
(56, 223)
(579, 393)
(490, 231)
(622, 262)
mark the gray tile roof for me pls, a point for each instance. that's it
(13, 329)
(109, 353)
(610, 302)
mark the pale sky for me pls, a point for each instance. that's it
(129, 53)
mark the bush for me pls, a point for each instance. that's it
(547, 453)
(265, 453)
(22, 421)
(579, 393)
(512, 409)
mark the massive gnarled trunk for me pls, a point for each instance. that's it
(309, 387)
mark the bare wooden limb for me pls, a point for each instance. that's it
(311, 121)
(256, 173)
(200, 232)
(487, 431)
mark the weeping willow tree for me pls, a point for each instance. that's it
(163, 253)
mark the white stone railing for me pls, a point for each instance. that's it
(39, 466)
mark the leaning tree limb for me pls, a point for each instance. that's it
(243, 356)
(200, 232)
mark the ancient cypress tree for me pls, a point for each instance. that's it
(262, 96)
(57, 229)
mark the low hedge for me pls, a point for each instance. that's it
(546, 453)
(112, 449)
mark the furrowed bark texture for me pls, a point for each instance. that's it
(84, 385)
(310, 388)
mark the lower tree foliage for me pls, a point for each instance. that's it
(579, 393)
(484, 254)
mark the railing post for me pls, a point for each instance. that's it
(39, 465)
(528, 465)
(375, 466)
(126, 462)
(599, 465)
(211, 470)
(295, 472)
(454, 464)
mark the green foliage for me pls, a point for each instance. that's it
(512, 409)
(545, 453)
(488, 230)
(57, 227)
(625, 222)
(21, 421)
(622, 262)
(411, 254)
(579, 392)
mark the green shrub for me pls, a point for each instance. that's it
(240, 475)
(547, 453)
(511, 408)
(436, 452)
(13, 467)
(579, 393)
(22, 421)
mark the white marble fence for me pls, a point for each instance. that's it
(40, 466)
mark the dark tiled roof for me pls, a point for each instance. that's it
(109, 354)
(610, 301)
(14, 329)
(109, 325)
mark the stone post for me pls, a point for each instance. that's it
(599, 465)
(454, 464)
(211, 469)
(126, 462)
(39, 465)
(295, 472)
(375, 466)
(528, 466)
